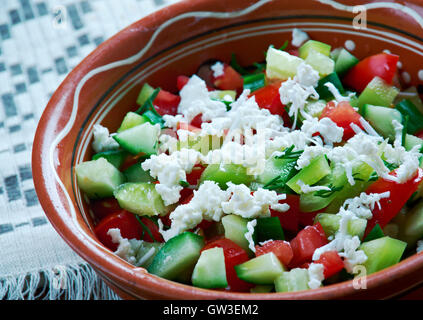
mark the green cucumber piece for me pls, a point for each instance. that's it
(330, 224)
(411, 94)
(334, 54)
(382, 253)
(263, 269)
(412, 141)
(145, 94)
(115, 157)
(146, 253)
(277, 172)
(320, 62)
(140, 198)
(235, 229)
(262, 288)
(268, 229)
(98, 178)
(377, 93)
(209, 272)
(415, 120)
(295, 280)
(224, 173)
(136, 173)
(305, 50)
(131, 120)
(311, 174)
(380, 118)
(177, 255)
(254, 82)
(322, 89)
(281, 65)
(344, 61)
(141, 138)
(221, 94)
(411, 229)
(375, 233)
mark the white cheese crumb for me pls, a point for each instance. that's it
(299, 37)
(305, 188)
(124, 250)
(249, 234)
(102, 139)
(218, 69)
(316, 275)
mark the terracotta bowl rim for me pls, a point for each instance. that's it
(107, 263)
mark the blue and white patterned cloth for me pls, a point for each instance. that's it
(40, 42)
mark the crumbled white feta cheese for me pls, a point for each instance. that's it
(299, 37)
(315, 275)
(249, 234)
(336, 94)
(328, 129)
(172, 121)
(218, 69)
(124, 250)
(102, 139)
(305, 188)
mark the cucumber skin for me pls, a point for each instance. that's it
(222, 174)
(115, 157)
(131, 120)
(377, 93)
(210, 272)
(185, 248)
(135, 173)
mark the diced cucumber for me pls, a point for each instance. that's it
(361, 174)
(280, 169)
(412, 141)
(98, 178)
(263, 269)
(209, 272)
(311, 174)
(411, 94)
(115, 157)
(281, 65)
(262, 288)
(375, 233)
(382, 253)
(380, 118)
(415, 117)
(317, 46)
(145, 94)
(330, 224)
(235, 230)
(320, 62)
(411, 229)
(322, 89)
(377, 93)
(224, 173)
(146, 253)
(268, 229)
(131, 120)
(295, 280)
(140, 198)
(334, 54)
(141, 138)
(136, 173)
(177, 255)
(222, 94)
(344, 61)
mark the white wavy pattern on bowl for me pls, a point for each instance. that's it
(137, 79)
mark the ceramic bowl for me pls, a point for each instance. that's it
(175, 41)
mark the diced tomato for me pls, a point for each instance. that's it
(234, 255)
(281, 249)
(229, 80)
(294, 52)
(186, 195)
(306, 242)
(197, 121)
(307, 218)
(181, 81)
(343, 115)
(186, 126)
(166, 103)
(154, 230)
(332, 263)
(268, 98)
(419, 134)
(289, 219)
(103, 207)
(123, 220)
(399, 195)
(195, 174)
(383, 65)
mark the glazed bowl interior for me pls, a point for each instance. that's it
(175, 41)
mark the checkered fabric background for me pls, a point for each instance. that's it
(40, 42)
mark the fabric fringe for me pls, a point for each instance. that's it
(70, 282)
